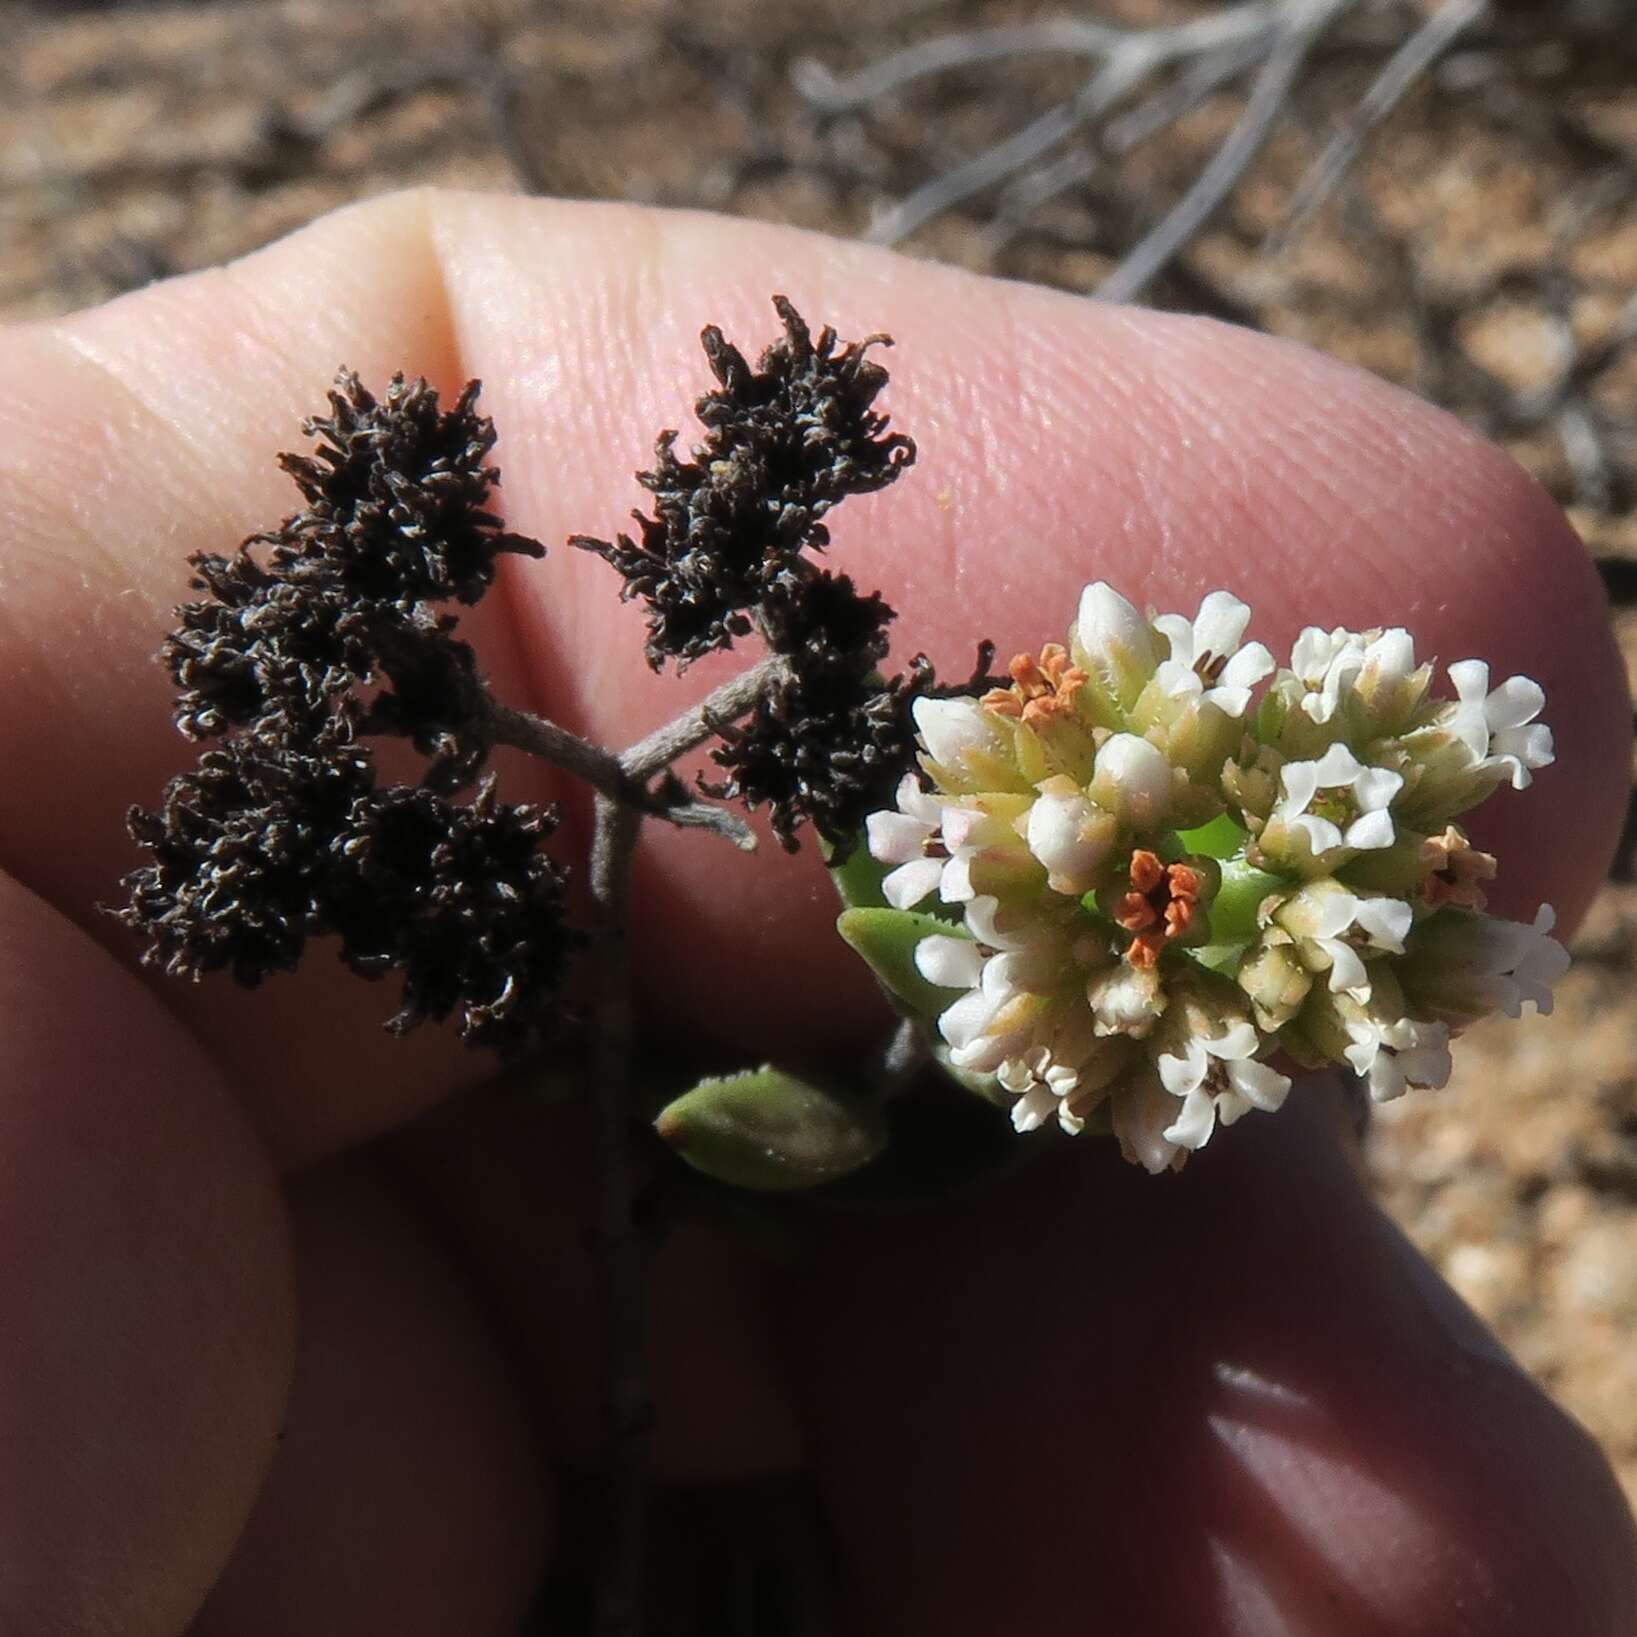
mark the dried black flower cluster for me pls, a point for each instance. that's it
(785, 442)
(723, 554)
(310, 638)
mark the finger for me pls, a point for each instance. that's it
(508, 1179)
(1060, 440)
(144, 1277)
(407, 1494)
(1232, 1401)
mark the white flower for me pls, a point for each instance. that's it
(1365, 794)
(1218, 1080)
(1338, 923)
(987, 1024)
(1324, 662)
(1132, 781)
(951, 727)
(1070, 835)
(909, 839)
(1040, 1083)
(1206, 661)
(1541, 962)
(1392, 1056)
(1499, 727)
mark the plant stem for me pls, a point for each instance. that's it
(523, 730)
(623, 800)
(626, 1405)
(691, 729)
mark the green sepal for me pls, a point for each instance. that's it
(1220, 839)
(886, 939)
(1242, 892)
(769, 1130)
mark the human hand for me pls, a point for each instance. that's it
(1232, 1402)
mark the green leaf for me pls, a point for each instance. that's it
(858, 881)
(768, 1129)
(886, 938)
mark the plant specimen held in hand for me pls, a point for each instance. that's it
(1111, 889)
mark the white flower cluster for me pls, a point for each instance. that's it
(1150, 882)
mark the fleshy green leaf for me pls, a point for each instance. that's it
(767, 1129)
(886, 938)
(858, 881)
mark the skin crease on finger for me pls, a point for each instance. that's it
(1061, 441)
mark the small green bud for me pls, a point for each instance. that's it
(1275, 981)
(767, 1129)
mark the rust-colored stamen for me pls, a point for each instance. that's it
(1160, 906)
(1040, 688)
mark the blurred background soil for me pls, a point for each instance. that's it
(1481, 249)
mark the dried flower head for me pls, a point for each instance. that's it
(312, 638)
(1164, 884)
(784, 442)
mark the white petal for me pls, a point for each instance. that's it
(906, 886)
(1347, 973)
(1321, 834)
(1235, 1042)
(1301, 785)
(948, 727)
(1193, 1126)
(1220, 624)
(918, 803)
(963, 1022)
(1375, 787)
(1260, 1086)
(1335, 914)
(895, 838)
(1230, 701)
(958, 824)
(1178, 681)
(1033, 1109)
(1248, 666)
(1517, 700)
(1518, 750)
(981, 922)
(951, 963)
(1386, 920)
(1371, 831)
(1177, 630)
(1338, 765)
(955, 884)
(1392, 653)
(1471, 679)
(1107, 621)
(1182, 1075)
(1136, 779)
